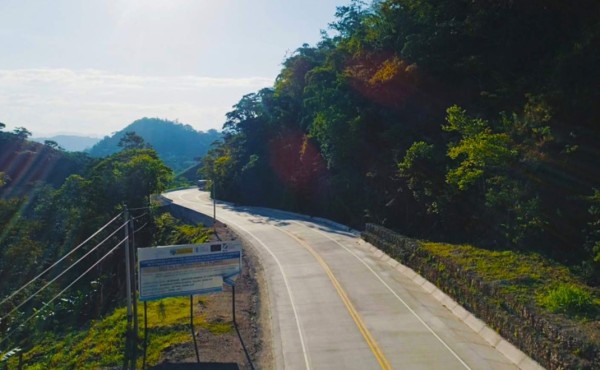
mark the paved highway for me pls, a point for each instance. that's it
(336, 303)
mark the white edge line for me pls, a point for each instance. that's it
(285, 280)
(287, 286)
(395, 294)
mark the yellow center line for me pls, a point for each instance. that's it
(383, 362)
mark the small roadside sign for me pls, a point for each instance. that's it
(183, 270)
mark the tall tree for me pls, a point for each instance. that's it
(131, 140)
(22, 133)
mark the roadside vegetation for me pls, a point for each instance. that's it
(469, 123)
(535, 303)
(457, 121)
(43, 220)
(100, 344)
(526, 277)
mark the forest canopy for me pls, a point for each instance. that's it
(451, 120)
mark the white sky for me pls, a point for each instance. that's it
(94, 66)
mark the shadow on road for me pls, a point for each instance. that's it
(284, 218)
(197, 366)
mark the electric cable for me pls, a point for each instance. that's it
(60, 260)
(139, 208)
(62, 273)
(140, 216)
(140, 228)
(65, 289)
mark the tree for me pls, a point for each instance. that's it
(53, 144)
(131, 140)
(22, 133)
(418, 170)
(129, 177)
(481, 150)
(491, 167)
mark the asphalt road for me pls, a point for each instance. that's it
(337, 304)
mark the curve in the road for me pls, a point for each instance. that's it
(371, 342)
(344, 298)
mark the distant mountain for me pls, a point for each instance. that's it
(71, 143)
(178, 145)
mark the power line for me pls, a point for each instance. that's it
(139, 208)
(60, 260)
(140, 216)
(140, 228)
(64, 272)
(65, 289)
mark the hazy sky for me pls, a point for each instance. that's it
(94, 66)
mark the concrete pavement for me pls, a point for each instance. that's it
(339, 303)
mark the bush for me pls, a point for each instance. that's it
(568, 299)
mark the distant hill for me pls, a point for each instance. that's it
(25, 164)
(71, 143)
(178, 145)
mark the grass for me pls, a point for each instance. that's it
(218, 327)
(568, 299)
(528, 277)
(102, 343)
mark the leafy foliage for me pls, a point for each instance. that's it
(48, 221)
(481, 149)
(455, 120)
(130, 176)
(131, 140)
(170, 231)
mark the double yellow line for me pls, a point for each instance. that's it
(383, 362)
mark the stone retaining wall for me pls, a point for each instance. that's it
(552, 342)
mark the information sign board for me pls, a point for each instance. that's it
(190, 269)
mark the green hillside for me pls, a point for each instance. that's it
(25, 164)
(61, 259)
(461, 121)
(178, 145)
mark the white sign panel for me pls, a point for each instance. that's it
(182, 270)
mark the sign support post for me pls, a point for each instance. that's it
(214, 189)
(190, 269)
(233, 303)
(128, 266)
(133, 293)
(192, 327)
(131, 335)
